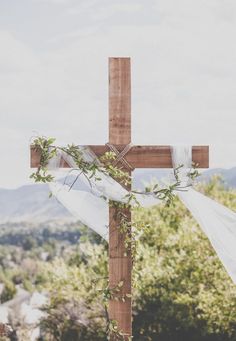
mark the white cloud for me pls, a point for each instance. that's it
(15, 56)
(183, 78)
(105, 10)
(116, 9)
(57, 2)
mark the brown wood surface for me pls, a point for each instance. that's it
(119, 101)
(120, 270)
(143, 156)
(120, 262)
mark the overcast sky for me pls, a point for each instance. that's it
(53, 74)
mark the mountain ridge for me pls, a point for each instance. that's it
(32, 203)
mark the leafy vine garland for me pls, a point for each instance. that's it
(47, 150)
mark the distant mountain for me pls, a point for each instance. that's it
(228, 175)
(31, 202)
(143, 176)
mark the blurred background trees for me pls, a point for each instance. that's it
(181, 291)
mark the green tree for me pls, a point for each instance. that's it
(8, 292)
(181, 292)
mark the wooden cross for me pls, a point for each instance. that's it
(120, 264)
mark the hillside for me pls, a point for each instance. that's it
(32, 203)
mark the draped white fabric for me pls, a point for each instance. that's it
(216, 220)
(88, 204)
(86, 201)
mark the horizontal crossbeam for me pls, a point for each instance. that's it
(141, 156)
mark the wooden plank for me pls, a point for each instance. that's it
(117, 249)
(142, 156)
(120, 269)
(122, 314)
(119, 101)
(120, 264)
(160, 156)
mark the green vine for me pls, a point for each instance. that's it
(108, 294)
(47, 151)
(44, 146)
(105, 165)
(131, 231)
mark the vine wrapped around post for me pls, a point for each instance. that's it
(48, 150)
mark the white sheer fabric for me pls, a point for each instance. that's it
(89, 209)
(87, 203)
(216, 220)
(86, 199)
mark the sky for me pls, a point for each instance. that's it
(54, 74)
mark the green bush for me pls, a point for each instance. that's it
(8, 292)
(181, 292)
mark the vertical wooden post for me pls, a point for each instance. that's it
(119, 101)
(120, 264)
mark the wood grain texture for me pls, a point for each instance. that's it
(120, 270)
(142, 156)
(120, 265)
(121, 314)
(117, 249)
(119, 101)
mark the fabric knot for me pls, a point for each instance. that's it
(182, 159)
